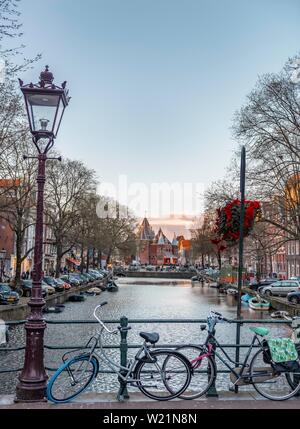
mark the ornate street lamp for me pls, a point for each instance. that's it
(45, 105)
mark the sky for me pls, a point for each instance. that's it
(155, 83)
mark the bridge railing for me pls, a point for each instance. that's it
(124, 346)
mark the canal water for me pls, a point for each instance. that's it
(138, 298)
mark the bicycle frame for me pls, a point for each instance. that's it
(123, 372)
(211, 343)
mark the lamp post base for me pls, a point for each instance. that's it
(33, 379)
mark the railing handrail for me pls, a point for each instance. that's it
(88, 321)
(124, 346)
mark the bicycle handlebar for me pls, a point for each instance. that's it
(114, 331)
(220, 317)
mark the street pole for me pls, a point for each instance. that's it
(241, 250)
(32, 381)
(45, 103)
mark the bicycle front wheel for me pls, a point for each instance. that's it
(72, 378)
(203, 371)
(274, 385)
(163, 377)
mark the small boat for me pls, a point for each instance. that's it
(231, 291)
(258, 303)
(77, 298)
(93, 291)
(279, 314)
(58, 308)
(112, 287)
(246, 297)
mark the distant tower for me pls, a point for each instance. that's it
(146, 236)
(175, 246)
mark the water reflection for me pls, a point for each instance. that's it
(140, 299)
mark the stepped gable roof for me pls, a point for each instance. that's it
(174, 241)
(145, 231)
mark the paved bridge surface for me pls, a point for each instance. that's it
(226, 400)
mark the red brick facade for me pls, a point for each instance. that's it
(156, 249)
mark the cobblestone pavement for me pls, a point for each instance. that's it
(138, 401)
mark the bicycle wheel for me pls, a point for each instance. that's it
(203, 371)
(277, 386)
(165, 376)
(72, 378)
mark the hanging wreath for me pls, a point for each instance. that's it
(227, 226)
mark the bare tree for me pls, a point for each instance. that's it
(11, 28)
(68, 182)
(17, 198)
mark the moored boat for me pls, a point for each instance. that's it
(245, 298)
(77, 298)
(112, 287)
(279, 314)
(58, 308)
(231, 291)
(93, 291)
(257, 303)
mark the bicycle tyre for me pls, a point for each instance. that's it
(65, 368)
(258, 386)
(191, 352)
(167, 357)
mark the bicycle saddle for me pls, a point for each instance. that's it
(150, 337)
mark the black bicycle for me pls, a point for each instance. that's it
(275, 382)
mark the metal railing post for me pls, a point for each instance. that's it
(123, 393)
(212, 391)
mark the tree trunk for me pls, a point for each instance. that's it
(58, 259)
(82, 260)
(271, 264)
(93, 265)
(87, 260)
(219, 260)
(19, 242)
(108, 257)
(202, 259)
(100, 258)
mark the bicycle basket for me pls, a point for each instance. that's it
(282, 350)
(284, 355)
(290, 366)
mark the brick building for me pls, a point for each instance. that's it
(156, 249)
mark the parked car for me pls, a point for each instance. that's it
(78, 277)
(132, 268)
(70, 279)
(83, 279)
(50, 281)
(27, 287)
(260, 284)
(93, 276)
(50, 289)
(294, 297)
(65, 285)
(96, 274)
(119, 271)
(7, 296)
(86, 277)
(280, 288)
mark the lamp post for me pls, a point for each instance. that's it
(45, 105)
(241, 254)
